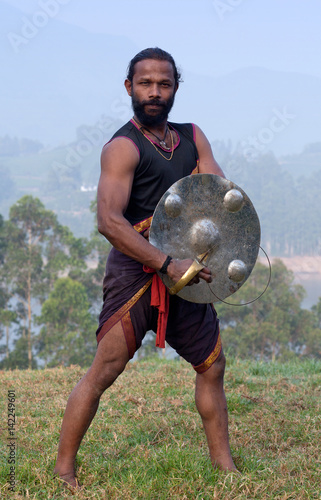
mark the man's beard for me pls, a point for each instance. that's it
(148, 119)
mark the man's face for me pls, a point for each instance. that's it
(152, 91)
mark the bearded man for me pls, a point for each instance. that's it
(138, 165)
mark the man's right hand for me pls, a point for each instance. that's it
(177, 268)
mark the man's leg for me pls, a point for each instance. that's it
(110, 360)
(211, 404)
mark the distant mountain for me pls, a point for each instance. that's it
(304, 164)
(273, 110)
(63, 76)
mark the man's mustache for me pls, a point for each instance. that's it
(154, 102)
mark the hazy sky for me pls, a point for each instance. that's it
(76, 77)
(207, 36)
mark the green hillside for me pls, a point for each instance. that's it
(50, 176)
(284, 191)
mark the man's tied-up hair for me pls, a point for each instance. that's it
(153, 53)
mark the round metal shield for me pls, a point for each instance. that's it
(205, 212)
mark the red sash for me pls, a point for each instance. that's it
(159, 293)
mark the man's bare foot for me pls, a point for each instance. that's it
(69, 479)
(229, 469)
(225, 464)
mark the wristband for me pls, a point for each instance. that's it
(164, 267)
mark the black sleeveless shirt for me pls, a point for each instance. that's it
(154, 175)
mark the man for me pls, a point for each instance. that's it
(143, 159)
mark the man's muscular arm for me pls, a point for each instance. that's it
(118, 163)
(207, 162)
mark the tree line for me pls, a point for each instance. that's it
(50, 298)
(48, 293)
(14, 146)
(274, 326)
(287, 205)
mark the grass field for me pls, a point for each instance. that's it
(147, 440)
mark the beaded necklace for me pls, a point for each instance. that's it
(161, 141)
(140, 127)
